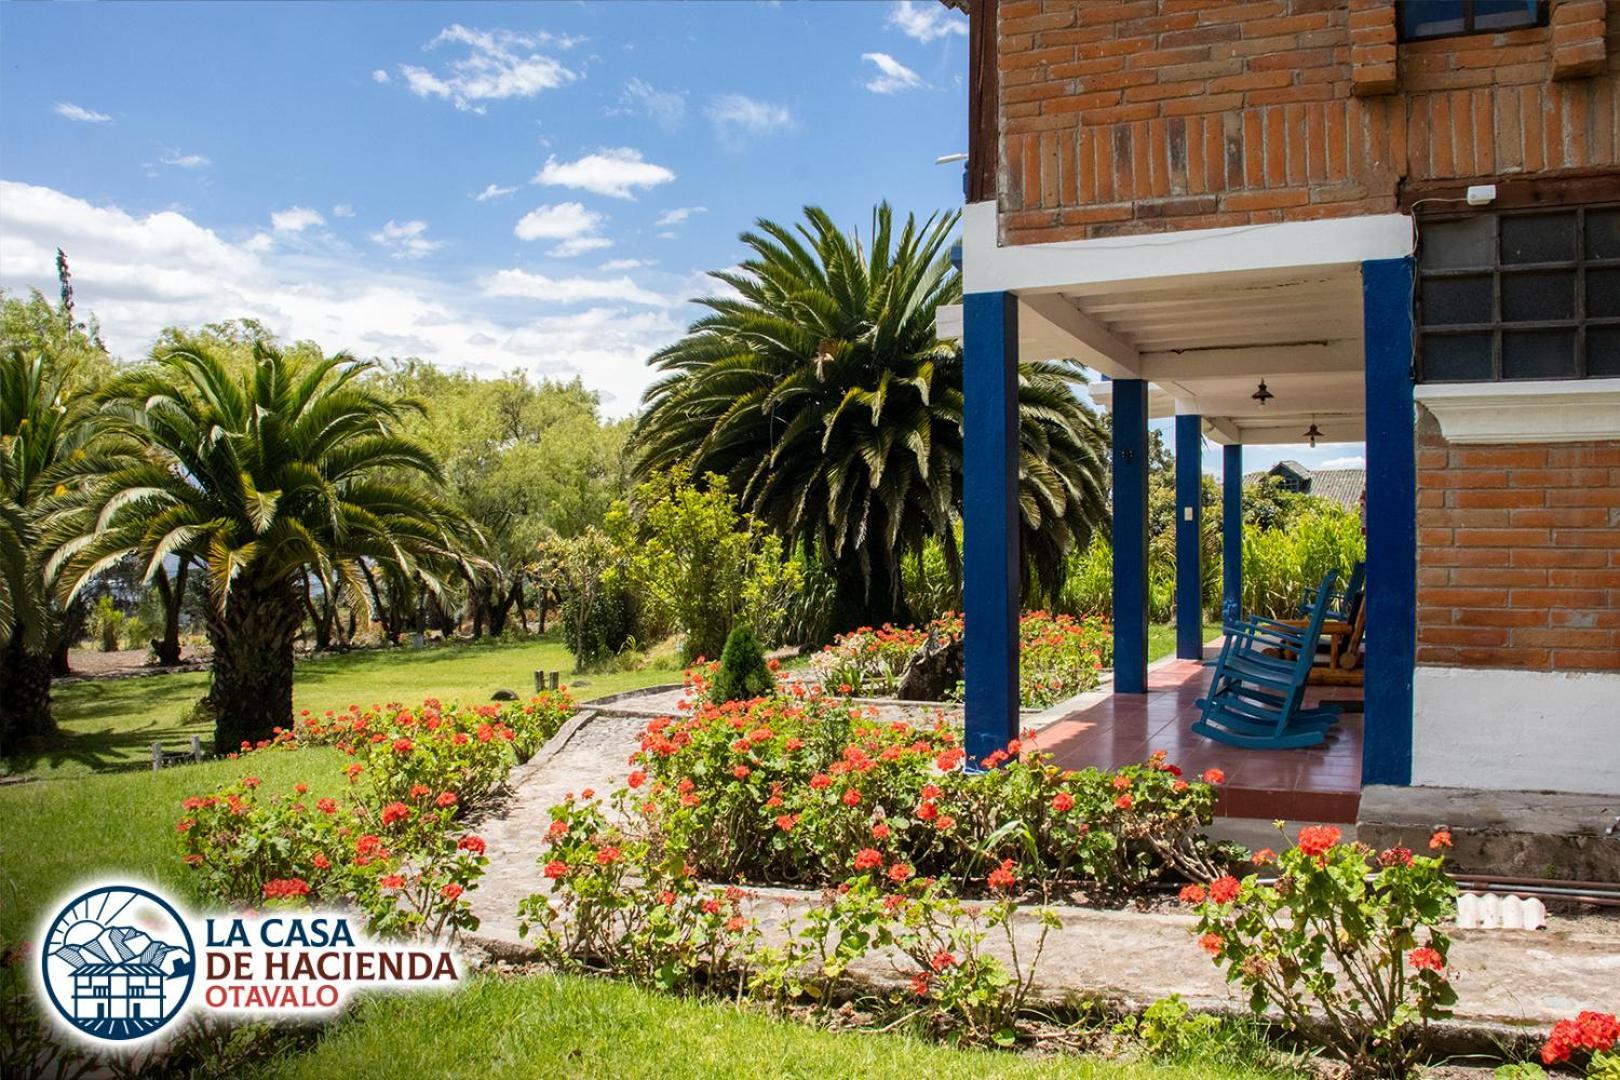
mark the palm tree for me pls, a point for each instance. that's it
(257, 472)
(822, 393)
(47, 367)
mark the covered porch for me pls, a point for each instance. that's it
(1108, 730)
(1191, 334)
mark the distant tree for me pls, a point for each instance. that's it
(819, 389)
(257, 472)
(526, 461)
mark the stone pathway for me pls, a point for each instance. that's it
(1504, 979)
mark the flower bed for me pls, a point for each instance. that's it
(393, 846)
(1059, 656)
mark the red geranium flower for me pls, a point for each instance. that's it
(402, 746)
(451, 891)
(556, 869)
(446, 798)
(395, 811)
(1124, 802)
(1440, 839)
(391, 881)
(1214, 776)
(899, 872)
(1317, 839)
(1224, 889)
(942, 960)
(868, 859)
(852, 797)
(1062, 801)
(1426, 959)
(880, 831)
(637, 778)
(820, 781)
(474, 844)
(1002, 878)
(281, 888)
(1192, 894)
(1212, 944)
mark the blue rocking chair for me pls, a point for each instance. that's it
(1256, 696)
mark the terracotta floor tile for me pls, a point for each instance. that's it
(1320, 783)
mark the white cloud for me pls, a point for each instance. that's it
(624, 264)
(737, 116)
(562, 221)
(570, 290)
(678, 215)
(80, 113)
(893, 77)
(139, 274)
(184, 161)
(494, 191)
(379, 76)
(499, 64)
(295, 219)
(925, 21)
(406, 239)
(667, 107)
(613, 172)
(1354, 461)
(343, 209)
(579, 245)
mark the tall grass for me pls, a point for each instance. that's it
(1282, 566)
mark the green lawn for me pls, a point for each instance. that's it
(570, 1027)
(56, 834)
(1162, 638)
(110, 724)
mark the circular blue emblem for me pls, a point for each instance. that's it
(118, 963)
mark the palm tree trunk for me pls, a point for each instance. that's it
(174, 595)
(25, 693)
(253, 662)
(865, 601)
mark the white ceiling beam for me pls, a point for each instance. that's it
(1304, 358)
(1052, 326)
(1222, 430)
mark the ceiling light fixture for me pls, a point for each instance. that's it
(1262, 395)
(1314, 433)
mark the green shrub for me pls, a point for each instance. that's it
(742, 673)
(108, 624)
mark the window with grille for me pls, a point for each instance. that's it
(1519, 295)
(1419, 20)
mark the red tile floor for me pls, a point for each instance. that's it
(1321, 783)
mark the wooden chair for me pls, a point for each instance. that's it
(1256, 695)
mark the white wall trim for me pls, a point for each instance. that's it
(1506, 730)
(987, 266)
(1570, 410)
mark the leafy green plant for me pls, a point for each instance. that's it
(1169, 1029)
(1282, 566)
(742, 673)
(1343, 937)
(107, 623)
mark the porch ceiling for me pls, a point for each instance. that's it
(1206, 341)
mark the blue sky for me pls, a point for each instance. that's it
(483, 185)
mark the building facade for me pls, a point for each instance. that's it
(1392, 222)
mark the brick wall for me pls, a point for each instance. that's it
(1120, 117)
(1518, 554)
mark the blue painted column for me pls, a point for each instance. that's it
(1189, 536)
(990, 519)
(1231, 532)
(1391, 637)
(1130, 461)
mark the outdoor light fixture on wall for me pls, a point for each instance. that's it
(1313, 433)
(1262, 395)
